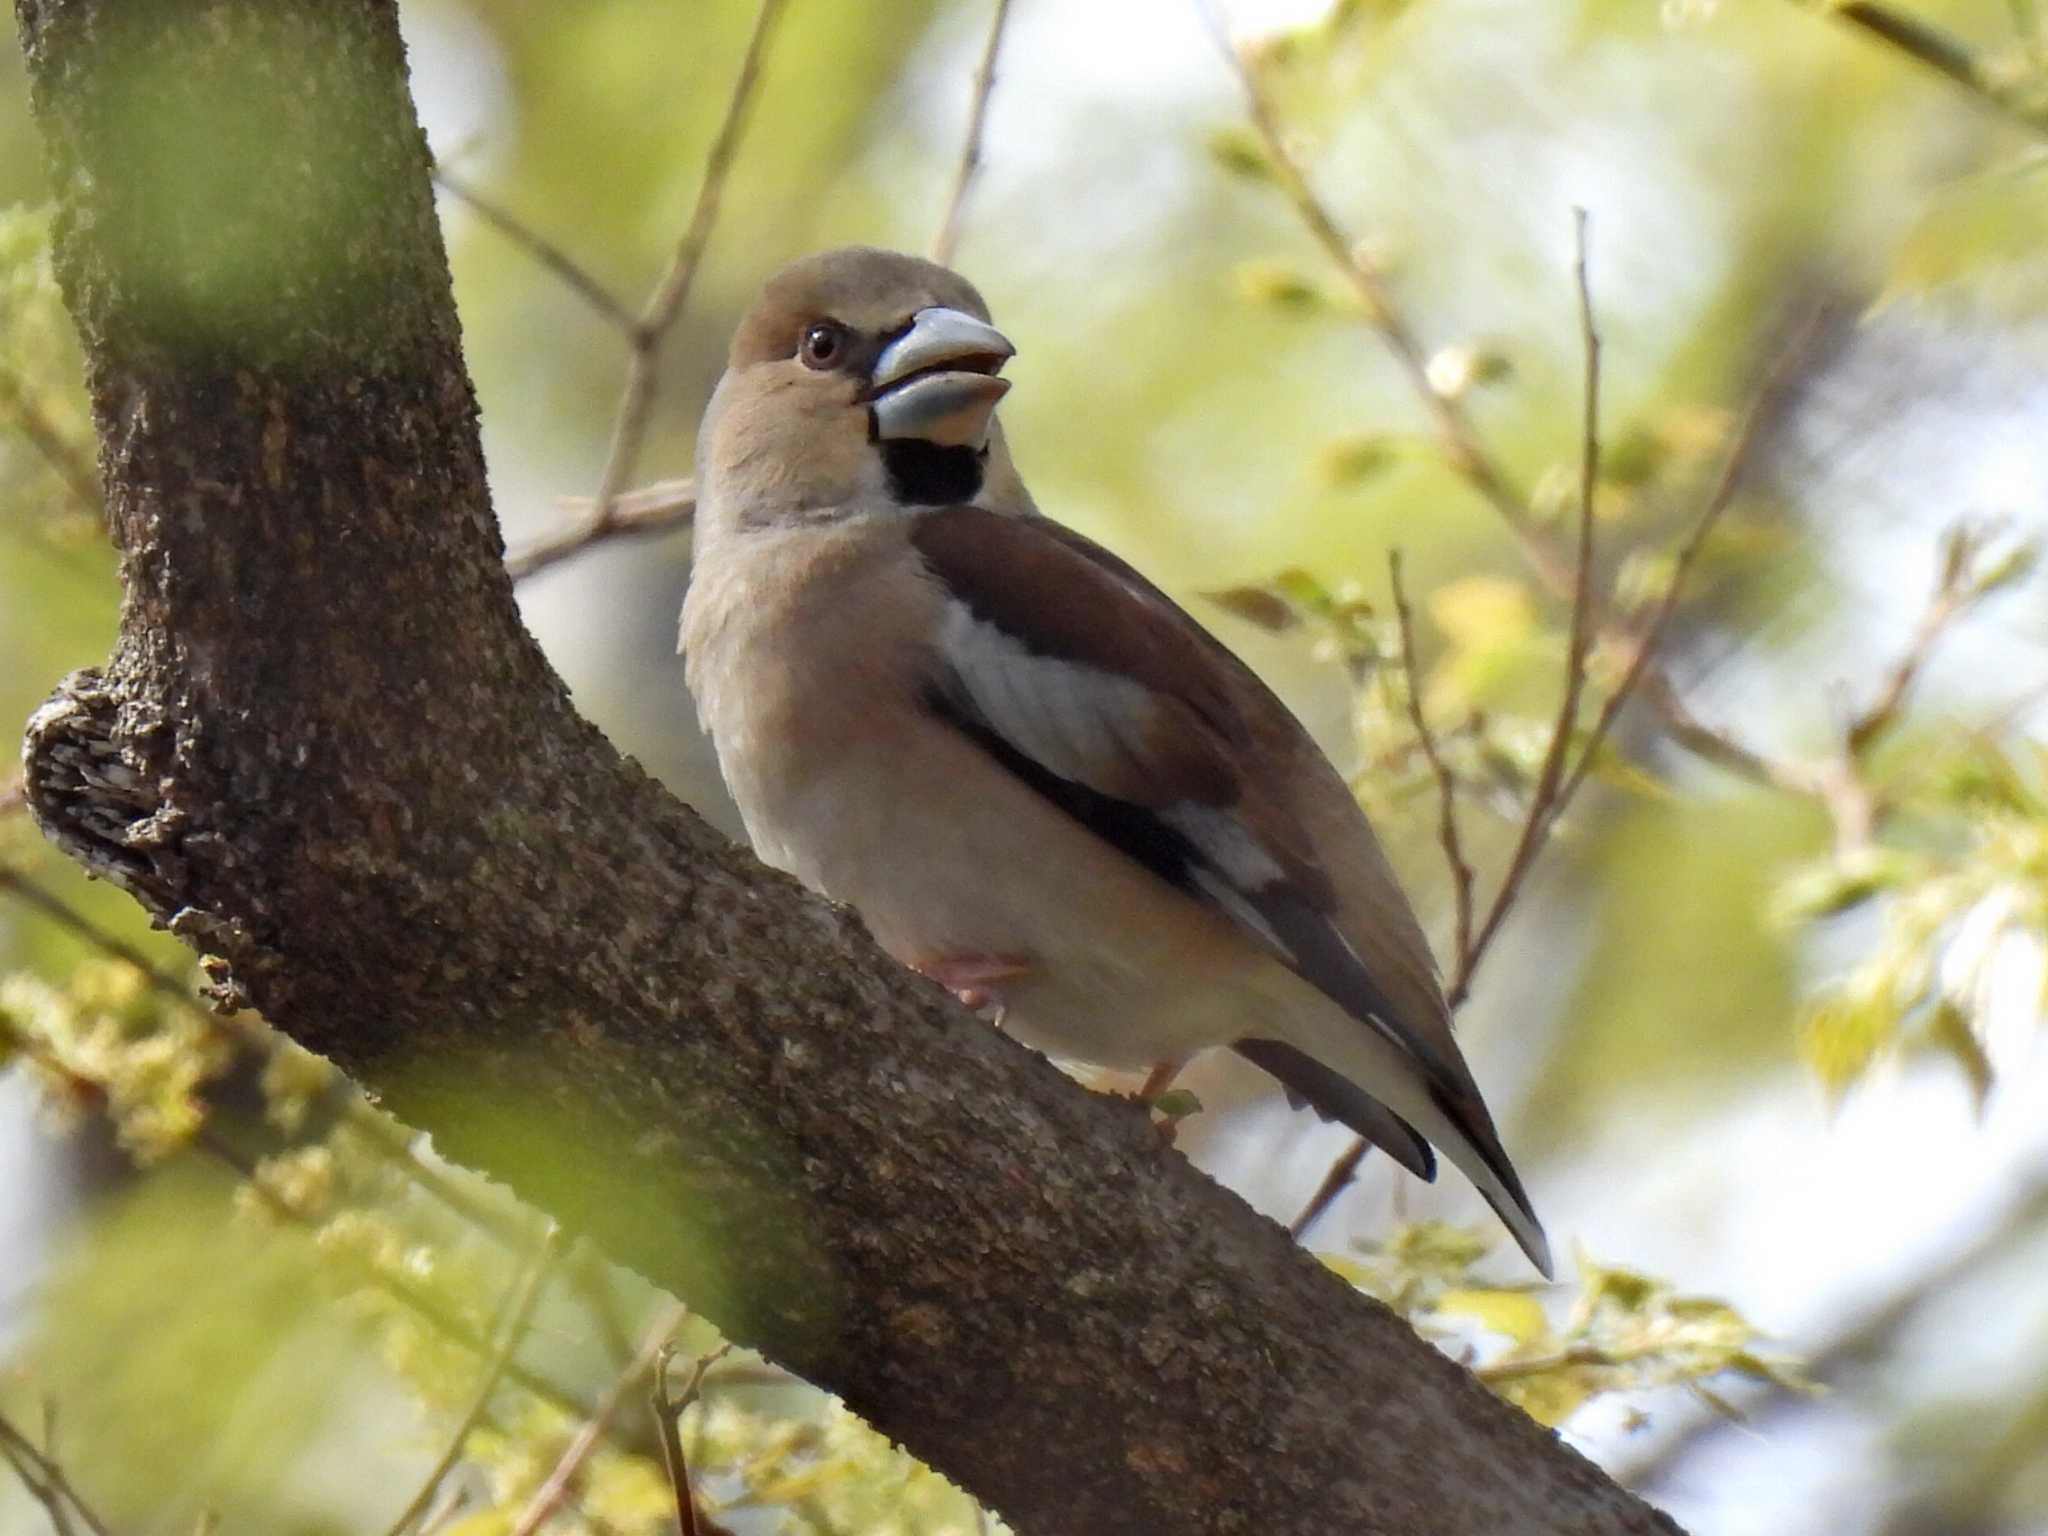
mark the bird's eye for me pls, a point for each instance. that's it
(823, 345)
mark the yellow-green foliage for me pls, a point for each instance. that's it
(1624, 1332)
(107, 1038)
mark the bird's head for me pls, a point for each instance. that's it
(860, 378)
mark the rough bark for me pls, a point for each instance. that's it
(326, 754)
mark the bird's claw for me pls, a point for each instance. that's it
(973, 979)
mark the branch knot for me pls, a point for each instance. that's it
(94, 794)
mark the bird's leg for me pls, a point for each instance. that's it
(973, 979)
(1158, 1080)
(1153, 1089)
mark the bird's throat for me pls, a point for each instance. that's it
(923, 474)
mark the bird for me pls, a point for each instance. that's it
(1038, 780)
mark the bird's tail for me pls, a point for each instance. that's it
(1450, 1115)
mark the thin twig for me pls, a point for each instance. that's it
(673, 291)
(1762, 407)
(650, 329)
(548, 1498)
(38, 1488)
(1955, 593)
(1549, 798)
(419, 1301)
(1446, 785)
(30, 894)
(654, 508)
(385, 1137)
(1336, 1179)
(518, 1316)
(540, 248)
(1458, 440)
(948, 237)
(45, 1478)
(667, 1410)
(1547, 802)
(1926, 44)
(70, 464)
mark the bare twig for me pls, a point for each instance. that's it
(29, 894)
(1929, 45)
(667, 1410)
(548, 1498)
(1336, 1179)
(1446, 786)
(383, 1136)
(69, 463)
(518, 1315)
(44, 1478)
(1548, 800)
(540, 248)
(419, 1301)
(1761, 409)
(652, 509)
(1458, 440)
(673, 291)
(1955, 593)
(650, 330)
(948, 237)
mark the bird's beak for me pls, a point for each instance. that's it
(937, 381)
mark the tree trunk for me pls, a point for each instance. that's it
(327, 755)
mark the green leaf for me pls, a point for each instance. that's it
(1949, 1031)
(1826, 887)
(1356, 458)
(1841, 1037)
(1256, 605)
(1514, 1315)
(1238, 151)
(1274, 286)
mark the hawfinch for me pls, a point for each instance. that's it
(1039, 781)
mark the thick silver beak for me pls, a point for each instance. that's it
(937, 381)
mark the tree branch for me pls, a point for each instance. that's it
(668, 1412)
(1446, 786)
(518, 1315)
(1928, 45)
(360, 790)
(653, 508)
(1553, 790)
(551, 1494)
(578, 280)
(44, 1476)
(650, 331)
(947, 240)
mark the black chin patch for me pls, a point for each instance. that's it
(923, 474)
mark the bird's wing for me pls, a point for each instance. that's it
(1084, 680)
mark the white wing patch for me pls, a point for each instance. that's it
(1081, 722)
(1086, 725)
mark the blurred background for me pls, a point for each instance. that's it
(1763, 1029)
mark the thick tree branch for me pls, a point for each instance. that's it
(325, 754)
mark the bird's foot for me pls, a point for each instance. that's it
(974, 979)
(1168, 1104)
